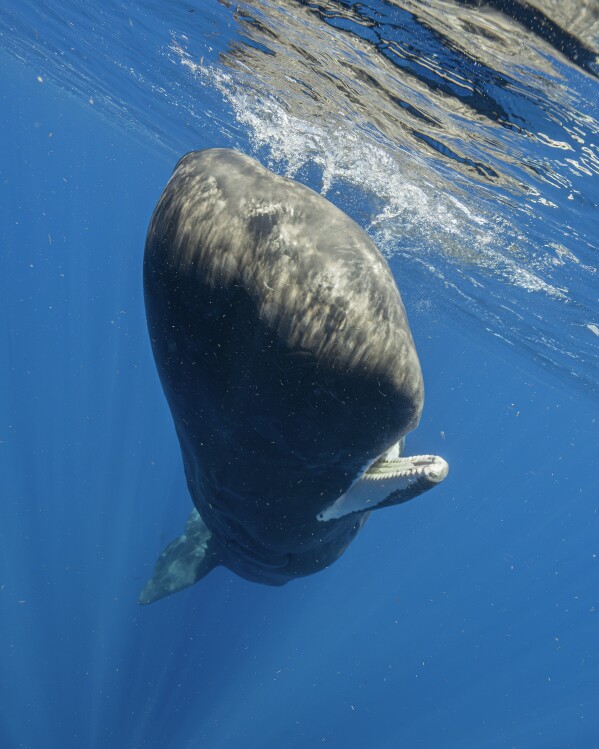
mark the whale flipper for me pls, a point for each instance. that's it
(184, 561)
(388, 482)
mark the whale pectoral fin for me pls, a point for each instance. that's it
(388, 482)
(184, 561)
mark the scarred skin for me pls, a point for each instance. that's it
(285, 354)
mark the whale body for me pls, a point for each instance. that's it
(287, 361)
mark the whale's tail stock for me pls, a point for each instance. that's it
(187, 559)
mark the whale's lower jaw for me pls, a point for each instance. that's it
(386, 483)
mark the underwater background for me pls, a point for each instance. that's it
(463, 135)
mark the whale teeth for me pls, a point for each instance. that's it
(386, 483)
(432, 467)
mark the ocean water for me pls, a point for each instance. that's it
(463, 136)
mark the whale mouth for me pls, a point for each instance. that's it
(387, 483)
(430, 467)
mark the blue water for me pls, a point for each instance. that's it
(463, 137)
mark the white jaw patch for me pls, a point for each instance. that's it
(388, 482)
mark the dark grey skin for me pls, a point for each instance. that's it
(286, 357)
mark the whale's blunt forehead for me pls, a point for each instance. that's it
(315, 275)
